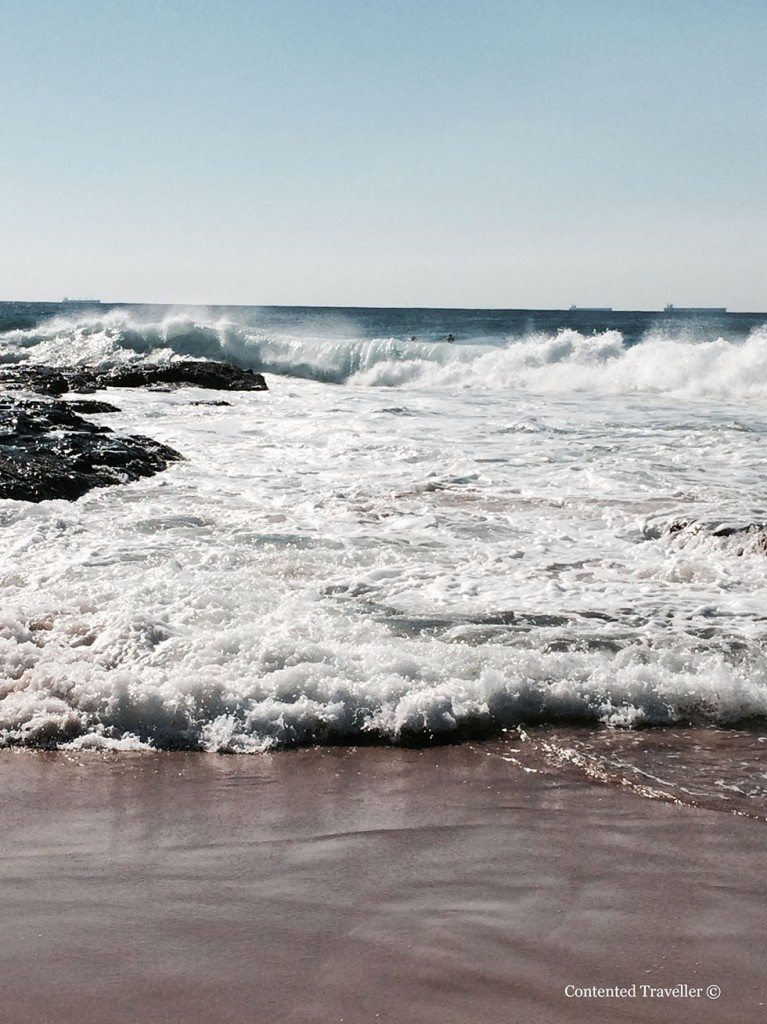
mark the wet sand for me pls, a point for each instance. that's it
(364, 885)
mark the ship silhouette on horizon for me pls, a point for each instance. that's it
(671, 308)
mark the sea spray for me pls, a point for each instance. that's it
(603, 362)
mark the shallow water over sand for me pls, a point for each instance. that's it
(370, 884)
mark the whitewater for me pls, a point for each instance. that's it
(401, 540)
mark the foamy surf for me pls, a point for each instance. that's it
(531, 530)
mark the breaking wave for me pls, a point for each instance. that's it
(136, 682)
(567, 361)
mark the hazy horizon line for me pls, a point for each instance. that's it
(312, 305)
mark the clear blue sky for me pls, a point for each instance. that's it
(399, 152)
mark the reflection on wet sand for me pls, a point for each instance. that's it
(364, 884)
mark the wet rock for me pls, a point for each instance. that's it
(90, 407)
(48, 451)
(19, 418)
(47, 380)
(219, 402)
(43, 380)
(198, 373)
(195, 373)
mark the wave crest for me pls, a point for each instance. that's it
(567, 361)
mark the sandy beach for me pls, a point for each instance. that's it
(365, 885)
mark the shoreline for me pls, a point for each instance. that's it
(364, 884)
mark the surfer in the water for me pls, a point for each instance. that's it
(450, 337)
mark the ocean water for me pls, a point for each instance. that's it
(560, 518)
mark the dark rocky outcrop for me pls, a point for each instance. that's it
(195, 373)
(90, 407)
(48, 451)
(43, 380)
(198, 373)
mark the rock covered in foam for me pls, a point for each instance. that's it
(49, 451)
(198, 373)
(746, 536)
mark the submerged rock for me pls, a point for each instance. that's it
(48, 451)
(198, 373)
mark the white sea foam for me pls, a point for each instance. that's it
(341, 562)
(598, 363)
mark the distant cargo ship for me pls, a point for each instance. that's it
(591, 309)
(81, 302)
(694, 309)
